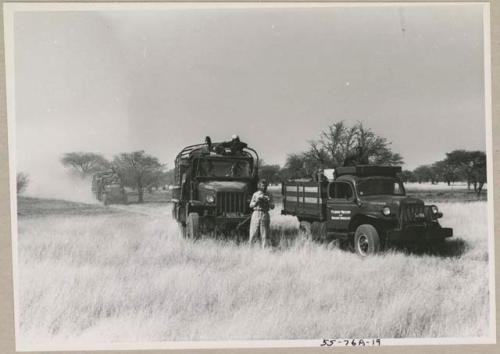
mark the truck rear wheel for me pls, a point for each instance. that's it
(193, 226)
(366, 240)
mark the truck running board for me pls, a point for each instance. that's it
(339, 235)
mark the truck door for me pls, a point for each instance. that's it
(341, 205)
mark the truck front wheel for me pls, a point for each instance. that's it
(193, 226)
(366, 240)
(182, 229)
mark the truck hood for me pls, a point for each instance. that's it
(390, 200)
(224, 186)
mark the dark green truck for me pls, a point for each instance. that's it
(364, 207)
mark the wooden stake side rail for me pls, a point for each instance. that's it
(306, 200)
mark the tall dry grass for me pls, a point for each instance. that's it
(131, 277)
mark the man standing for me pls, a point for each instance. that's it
(261, 202)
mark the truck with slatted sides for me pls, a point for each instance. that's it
(213, 185)
(364, 208)
(305, 199)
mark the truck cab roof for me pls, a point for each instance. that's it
(367, 171)
(219, 149)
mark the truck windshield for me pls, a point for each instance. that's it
(380, 186)
(223, 168)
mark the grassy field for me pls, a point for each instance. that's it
(90, 273)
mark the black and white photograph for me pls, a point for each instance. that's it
(238, 175)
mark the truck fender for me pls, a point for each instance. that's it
(363, 219)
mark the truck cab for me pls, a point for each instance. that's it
(212, 188)
(365, 207)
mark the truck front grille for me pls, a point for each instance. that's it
(231, 202)
(412, 214)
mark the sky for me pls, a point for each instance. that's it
(119, 81)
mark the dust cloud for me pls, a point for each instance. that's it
(56, 182)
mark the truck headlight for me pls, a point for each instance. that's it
(434, 209)
(210, 198)
(386, 211)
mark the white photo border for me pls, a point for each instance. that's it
(10, 8)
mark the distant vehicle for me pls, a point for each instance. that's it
(108, 188)
(213, 184)
(364, 207)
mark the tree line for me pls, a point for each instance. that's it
(457, 166)
(338, 145)
(343, 145)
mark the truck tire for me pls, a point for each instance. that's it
(193, 226)
(182, 229)
(366, 240)
(174, 213)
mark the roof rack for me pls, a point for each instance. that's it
(368, 170)
(188, 150)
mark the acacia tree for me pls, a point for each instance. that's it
(446, 172)
(159, 179)
(408, 176)
(341, 145)
(270, 173)
(299, 166)
(137, 170)
(425, 173)
(477, 170)
(85, 163)
(472, 164)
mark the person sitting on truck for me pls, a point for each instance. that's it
(261, 202)
(237, 145)
(233, 147)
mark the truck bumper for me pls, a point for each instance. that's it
(420, 233)
(229, 220)
(226, 221)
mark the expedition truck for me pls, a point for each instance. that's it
(213, 185)
(364, 207)
(108, 188)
